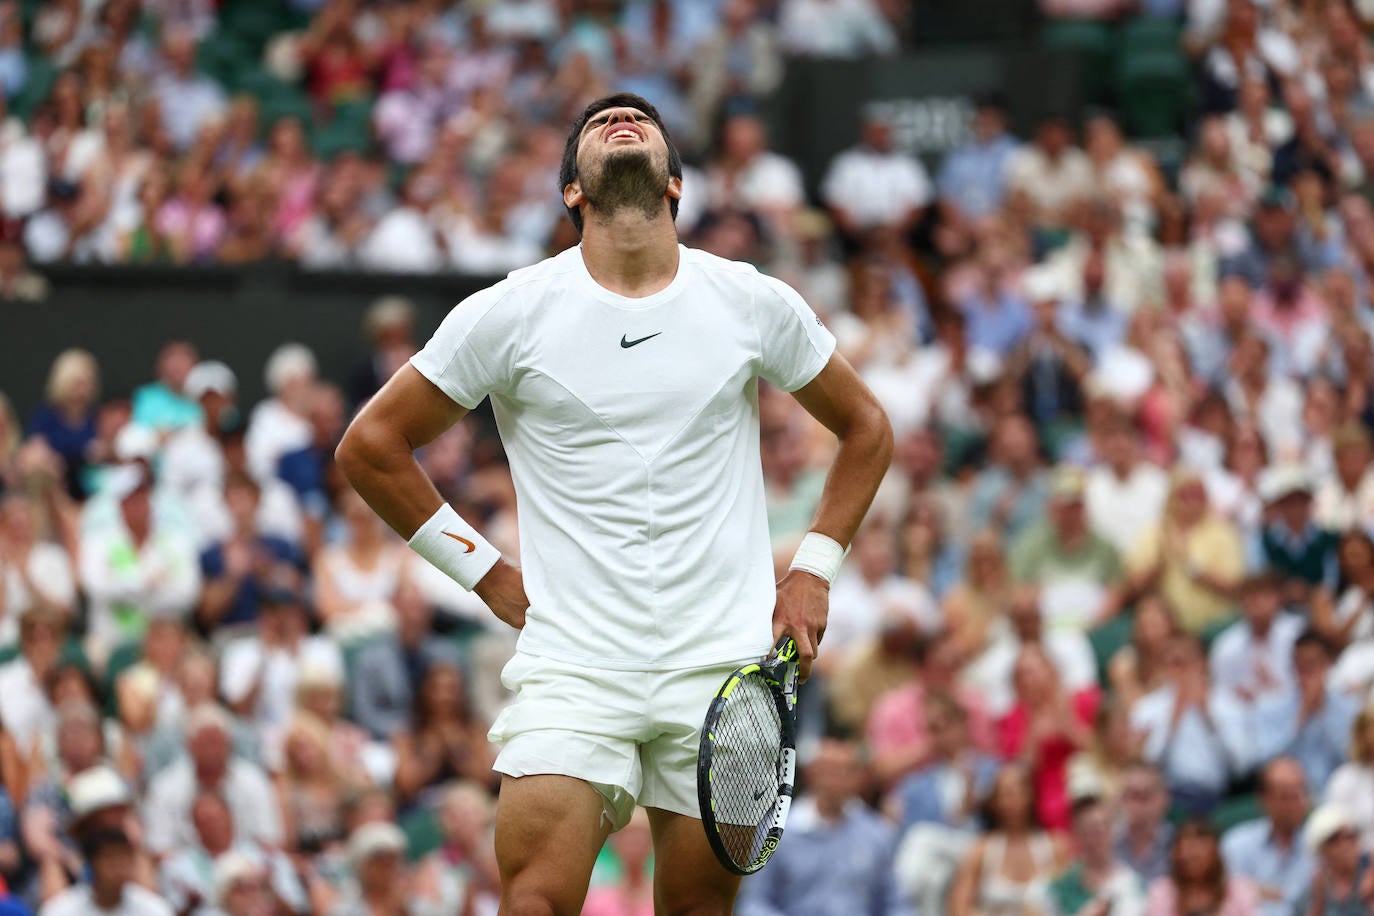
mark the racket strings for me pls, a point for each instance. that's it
(746, 774)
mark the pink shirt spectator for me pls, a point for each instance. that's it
(296, 203)
(611, 901)
(898, 720)
(1241, 899)
(1050, 763)
(205, 226)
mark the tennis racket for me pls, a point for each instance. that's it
(748, 760)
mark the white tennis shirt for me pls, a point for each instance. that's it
(632, 431)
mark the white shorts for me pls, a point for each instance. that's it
(633, 735)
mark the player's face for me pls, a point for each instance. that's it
(622, 163)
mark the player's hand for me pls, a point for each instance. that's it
(503, 589)
(801, 609)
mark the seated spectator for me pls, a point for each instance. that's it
(1143, 837)
(443, 741)
(1299, 552)
(937, 823)
(311, 788)
(138, 568)
(1098, 879)
(1047, 725)
(192, 456)
(209, 766)
(164, 405)
(458, 871)
(880, 664)
(1345, 500)
(1125, 495)
(1100, 767)
(279, 513)
(1198, 881)
(972, 179)
(746, 175)
(259, 674)
(981, 597)
(110, 858)
(1349, 618)
(191, 221)
(240, 887)
(1253, 657)
(1077, 570)
(1194, 558)
(869, 591)
(34, 573)
(279, 425)
(633, 893)
(1270, 851)
(817, 28)
(1351, 787)
(66, 420)
(1270, 402)
(991, 671)
(874, 185)
(320, 698)
(1049, 365)
(1341, 885)
(24, 708)
(376, 853)
(838, 858)
(897, 734)
(1050, 171)
(1009, 869)
(1137, 668)
(238, 570)
(356, 582)
(187, 876)
(1011, 492)
(1308, 721)
(186, 99)
(1199, 735)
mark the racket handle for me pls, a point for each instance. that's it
(784, 651)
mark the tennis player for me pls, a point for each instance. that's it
(623, 376)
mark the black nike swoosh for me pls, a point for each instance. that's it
(759, 794)
(627, 344)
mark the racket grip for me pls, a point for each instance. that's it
(784, 651)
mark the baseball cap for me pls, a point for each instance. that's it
(135, 442)
(371, 839)
(125, 480)
(1040, 285)
(1284, 480)
(1067, 482)
(211, 375)
(1323, 824)
(231, 868)
(96, 789)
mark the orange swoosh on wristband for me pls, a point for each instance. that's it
(461, 540)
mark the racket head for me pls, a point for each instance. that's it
(747, 762)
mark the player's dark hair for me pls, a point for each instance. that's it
(567, 174)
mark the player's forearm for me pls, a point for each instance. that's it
(381, 466)
(864, 454)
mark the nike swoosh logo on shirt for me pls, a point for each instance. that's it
(464, 541)
(627, 344)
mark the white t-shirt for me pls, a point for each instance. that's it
(858, 608)
(876, 188)
(77, 901)
(632, 430)
(171, 793)
(1123, 510)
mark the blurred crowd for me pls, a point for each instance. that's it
(1105, 644)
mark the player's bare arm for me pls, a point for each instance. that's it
(839, 399)
(377, 455)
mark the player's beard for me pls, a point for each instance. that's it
(626, 179)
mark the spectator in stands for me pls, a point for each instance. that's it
(458, 871)
(1051, 171)
(1049, 365)
(1009, 868)
(1137, 668)
(112, 888)
(634, 892)
(1194, 558)
(1349, 618)
(34, 573)
(1300, 553)
(164, 405)
(1197, 734)
(1254, 656)
(1125, 495)
(824, 29)
(376, 853)
(746, 175)
(1077, 569)
(209, 766)
(444, 740)
(278, 425)
(1011, 492)
(1270, 851)
(980, 599)
(838, 858)
(972, 179)
(1345, 500)
(870, 592)
(1144, 838)
(1198, 880)
(734, 65)
(875, 185)
(356, 583)
(1308, 720)
(1098, 880)
(1351, 787)
(1341, 885)
(405, 240)
(66, 421)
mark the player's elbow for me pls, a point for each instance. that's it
(359, 449)
(875, 433)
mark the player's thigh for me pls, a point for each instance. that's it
(688, 878)
(549, 830)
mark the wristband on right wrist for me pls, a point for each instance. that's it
(819, 555)
(455, 547)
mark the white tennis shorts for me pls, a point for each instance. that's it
(633, 735)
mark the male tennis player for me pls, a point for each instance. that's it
(623, 378)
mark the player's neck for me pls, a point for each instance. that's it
(629, 255)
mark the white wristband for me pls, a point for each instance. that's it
(819, 555)
(455, 547)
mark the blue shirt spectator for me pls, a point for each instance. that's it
(1270, 851)
(996, 322)
(972, 179)
(1307, 721)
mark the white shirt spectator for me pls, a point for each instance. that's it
(768, 182)
(1278, 414)
(1245, 665)
(167, 809)
(1338, 510)
(77, 901)
(245, 660)
(1052, 185)
(49, 571)
(23, 171)
(1352, 788)
(24, 707)
(1196, 752)
(186, 103)
(834, 28)
(191, 871)
(403, 241)
(858, 609)
(876, 188)
(123, 581)
(1121, 510)
(279, 513)
(479, 252)
(273, 430)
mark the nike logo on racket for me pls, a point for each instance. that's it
(759, 794)
(626, 343)
(461, 540)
